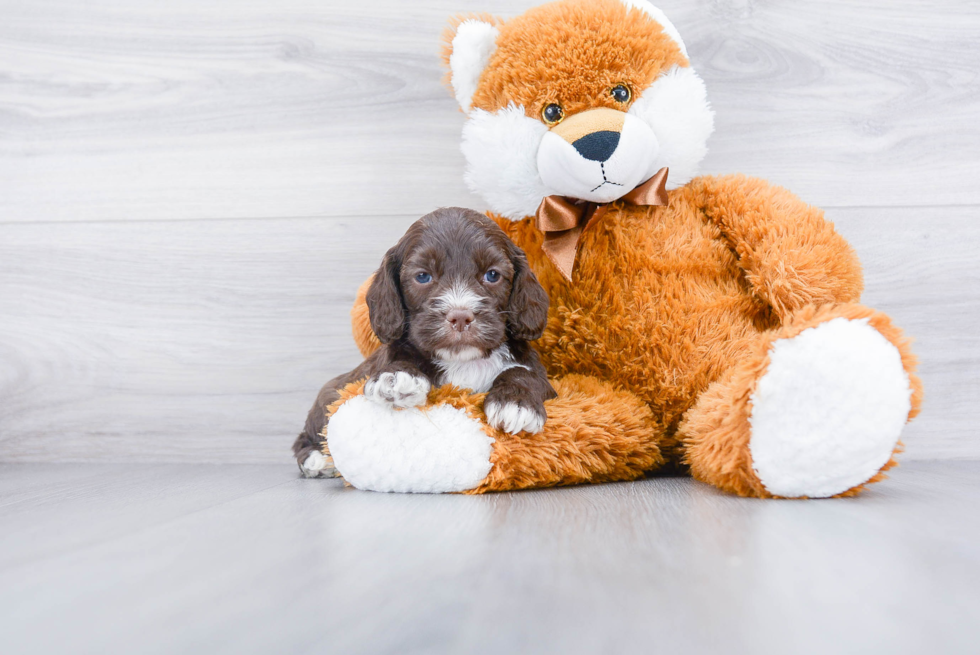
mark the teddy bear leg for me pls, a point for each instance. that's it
(594, 433)
(813, 409)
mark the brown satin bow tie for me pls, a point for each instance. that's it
(562, 219)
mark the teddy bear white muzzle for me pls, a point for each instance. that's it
(598, 155)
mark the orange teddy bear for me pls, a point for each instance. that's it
(702, 322)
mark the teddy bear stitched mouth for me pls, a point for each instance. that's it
(605, 181)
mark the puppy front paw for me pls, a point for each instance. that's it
(399, 389)
(514, 417)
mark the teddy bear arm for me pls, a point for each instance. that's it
(791, 255)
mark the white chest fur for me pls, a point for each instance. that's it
(477, 373)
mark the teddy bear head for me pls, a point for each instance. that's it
(579, 98)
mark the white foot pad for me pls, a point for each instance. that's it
(379, 448)
(829, 410)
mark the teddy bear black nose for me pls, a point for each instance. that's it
(598, 146)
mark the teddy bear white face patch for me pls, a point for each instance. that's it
(513, 160)
(597, 155)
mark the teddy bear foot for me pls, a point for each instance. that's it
(828, 412)
(436, 450)
(815, 412)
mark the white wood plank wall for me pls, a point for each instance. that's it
(190, 193)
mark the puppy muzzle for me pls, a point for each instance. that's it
(465, 322)
(597, 155)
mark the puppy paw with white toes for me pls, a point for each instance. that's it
(317, 465)
(399, 389)
(513, 417)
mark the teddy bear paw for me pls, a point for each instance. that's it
(828, 411)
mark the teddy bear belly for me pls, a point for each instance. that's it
(666, 362)
(664, 317)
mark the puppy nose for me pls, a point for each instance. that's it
(598, 146)
(460, 319)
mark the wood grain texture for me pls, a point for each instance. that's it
(207, 340)
(249, 559)
(175, 340)
(190, 193)
(142, 111)
(921, 267)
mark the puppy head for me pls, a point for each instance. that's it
(456, 287)
(578, 98)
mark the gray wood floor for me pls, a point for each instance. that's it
(185, 558)
(191, 192)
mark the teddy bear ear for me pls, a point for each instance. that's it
(656, 14)
(469, 41)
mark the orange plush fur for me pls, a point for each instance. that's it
(660, 338)
(589, 48)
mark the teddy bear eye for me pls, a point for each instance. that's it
(552, 114)
(621, 93)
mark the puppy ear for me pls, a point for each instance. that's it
(468, 43)
(384, 299)
(527, 311)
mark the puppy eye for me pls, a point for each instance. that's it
(491, 276)
(552, 114)
(621, 93)
(423, 278)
